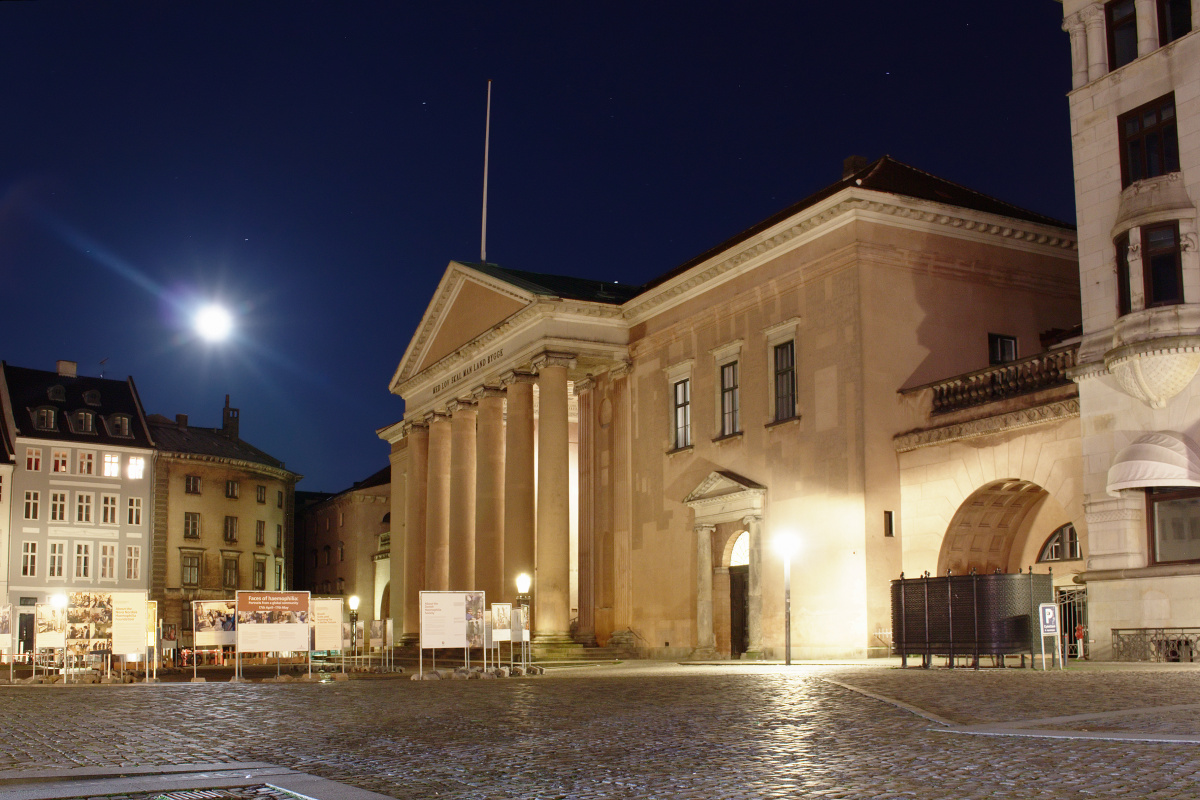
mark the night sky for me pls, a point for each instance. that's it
(316, 165)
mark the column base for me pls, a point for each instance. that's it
(586, 638)
(408, 640)
(705, 654)
(752, 655)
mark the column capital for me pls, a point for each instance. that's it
(486, 391)
(515, 376)
(1092, 15)
(704, 528)
(1073, 23)
(582, 385)
(460, 404)
(435, 416)
(752, 519)
(549, 359)
(621, 369)
(414, 426)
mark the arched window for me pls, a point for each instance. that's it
(1063, 545)
(740, 555)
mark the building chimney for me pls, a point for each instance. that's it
(67, 369)
(181, 421)
(853, 164)
(229, 421)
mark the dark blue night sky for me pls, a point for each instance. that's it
(316, 165)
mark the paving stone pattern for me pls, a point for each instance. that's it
(641, 730)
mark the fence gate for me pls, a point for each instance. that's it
(1072, 613)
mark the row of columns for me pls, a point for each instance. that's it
(470, 517)
(1089, 40)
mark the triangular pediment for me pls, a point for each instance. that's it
(725, 496)
(467, 303)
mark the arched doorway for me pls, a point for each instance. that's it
(989, 530)
(739, 595)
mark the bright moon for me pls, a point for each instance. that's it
(213, 323)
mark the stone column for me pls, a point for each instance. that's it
(1146, 12)
(520, 523)
(754, 590)
(1074, 27)
(437, 505)
(1137, 285)
(409, 553)
(552, 587)
(586, 632)
(489, 495)
(1097, 45)
(706, 640)
(622, 445)
(462, 495)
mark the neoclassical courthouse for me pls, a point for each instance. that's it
(904, 374)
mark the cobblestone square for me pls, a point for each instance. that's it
(657, 730)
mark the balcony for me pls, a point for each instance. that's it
(1002, 381)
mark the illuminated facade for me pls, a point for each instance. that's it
(637, 449)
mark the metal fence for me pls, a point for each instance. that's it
(1156, 644)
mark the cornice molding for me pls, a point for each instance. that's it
(250, 466)
(791, 233)
(1038, 415)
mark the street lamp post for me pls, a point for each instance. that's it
(785, 545)
(524, 599)
(354, 627)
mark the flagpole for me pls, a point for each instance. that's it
(487, 134)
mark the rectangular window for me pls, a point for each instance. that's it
(32, 501)
(58, 555)
(58, 506)
(1174, 20)
(278, 576)
(1162, 265)
(137, 468)
(189, 569)
(889, 524)
(83, 560)
(260, 494)
(683, 413)
(1121, 24)
(112, 465)
(232, 490)
(1149, 141)
(1123, 302)
(1174, 524)
(135, 511)
(29, 559)
(108, 562)
(279, 498)
(231, 529)
(33, 459)
(729, 399)
(44, 419)
(278, 536)
(260, 575)
(191, 484)
(60, 461)
(260, 532)
(87, 463)
(229, 578)
(83, 507)
(1001, 348)
(785, 381)
(191, 524)
(108, 509)
(133, 563)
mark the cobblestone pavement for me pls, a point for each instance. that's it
(651, 730)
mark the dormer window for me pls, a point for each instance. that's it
(45, 419)
(118, 425)
(91, 397)
(57, 394)
(83, 422)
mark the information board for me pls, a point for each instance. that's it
(325, 617)
(129, 623)
(272, 621)
(501, 622)
(443, 619)
(215, 621)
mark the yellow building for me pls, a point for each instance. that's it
(222, 516)
(637, 450)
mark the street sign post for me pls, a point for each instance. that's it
(1048, 624)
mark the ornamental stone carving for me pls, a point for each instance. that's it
(1154, 371)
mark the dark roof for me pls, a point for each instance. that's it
(888, 175)
(561, 286)
(30, 389)
(172, 437)
(378, 479)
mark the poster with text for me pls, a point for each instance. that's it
(376, 634)
(325, 617)
(272, 621)
(49, 626)
(89, 623)
(215, 622)
(391, 636)
(501, 622)
(129, 622)
(6, 629)
(474, 618)
(520, 624)
(151, 623)
(442, 619)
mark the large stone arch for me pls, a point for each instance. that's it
(955, 492)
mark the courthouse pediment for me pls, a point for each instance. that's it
(468, 302)
(725, 496)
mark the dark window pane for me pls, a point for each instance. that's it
(1174, 20)
(1123, 304)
